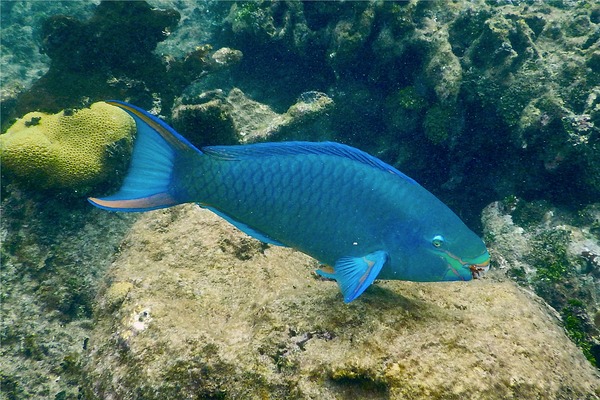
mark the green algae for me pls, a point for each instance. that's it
(557, 258)
(549, 255)
(408, 98)
(437, 124)
(579, 329)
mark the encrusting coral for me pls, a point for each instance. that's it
(73, 149)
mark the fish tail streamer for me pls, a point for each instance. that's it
(149, 184)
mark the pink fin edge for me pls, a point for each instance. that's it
(159, 200)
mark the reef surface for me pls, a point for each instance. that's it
(193, 307)
(492, 105)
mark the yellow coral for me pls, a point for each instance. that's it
(71, 149)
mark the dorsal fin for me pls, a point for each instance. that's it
(258, 150)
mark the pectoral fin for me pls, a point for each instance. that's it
(355, 274)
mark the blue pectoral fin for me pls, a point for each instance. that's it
(355, 274)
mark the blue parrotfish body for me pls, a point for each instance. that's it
(343, 207)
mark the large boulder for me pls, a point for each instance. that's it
(195, 309)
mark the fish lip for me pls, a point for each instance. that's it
(476, 266)
(478, 270)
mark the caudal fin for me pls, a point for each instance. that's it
(149, 183)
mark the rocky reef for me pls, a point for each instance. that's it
(557, 255)
(111, 56)
(55, 252)
(192, 307)
(481, 99)
(491, 105)
(211, 117)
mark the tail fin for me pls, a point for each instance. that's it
(148, 184)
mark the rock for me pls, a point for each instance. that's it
(252, 119)
(55, 251)
(211, 118)
(517, 82)
(109, 55)
(530, 65)
(22, 62)
(213, 313)
(225, 57)
(556, 255)
(207, 122)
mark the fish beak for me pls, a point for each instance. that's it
(479, 269)
(464, 270)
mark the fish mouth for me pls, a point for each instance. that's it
(468, 269)
(480, 266)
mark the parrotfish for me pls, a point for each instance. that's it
(358, 216)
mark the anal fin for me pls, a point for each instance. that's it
(248, 230)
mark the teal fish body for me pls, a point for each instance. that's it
(360, 217)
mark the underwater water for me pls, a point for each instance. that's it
(492, 106)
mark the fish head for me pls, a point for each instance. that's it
(458, 254)
(441, 249)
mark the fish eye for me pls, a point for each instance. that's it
(437, 241)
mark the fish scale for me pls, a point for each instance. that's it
(349, 210)
(294, 211)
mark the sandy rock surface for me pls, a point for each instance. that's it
(195, 309)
